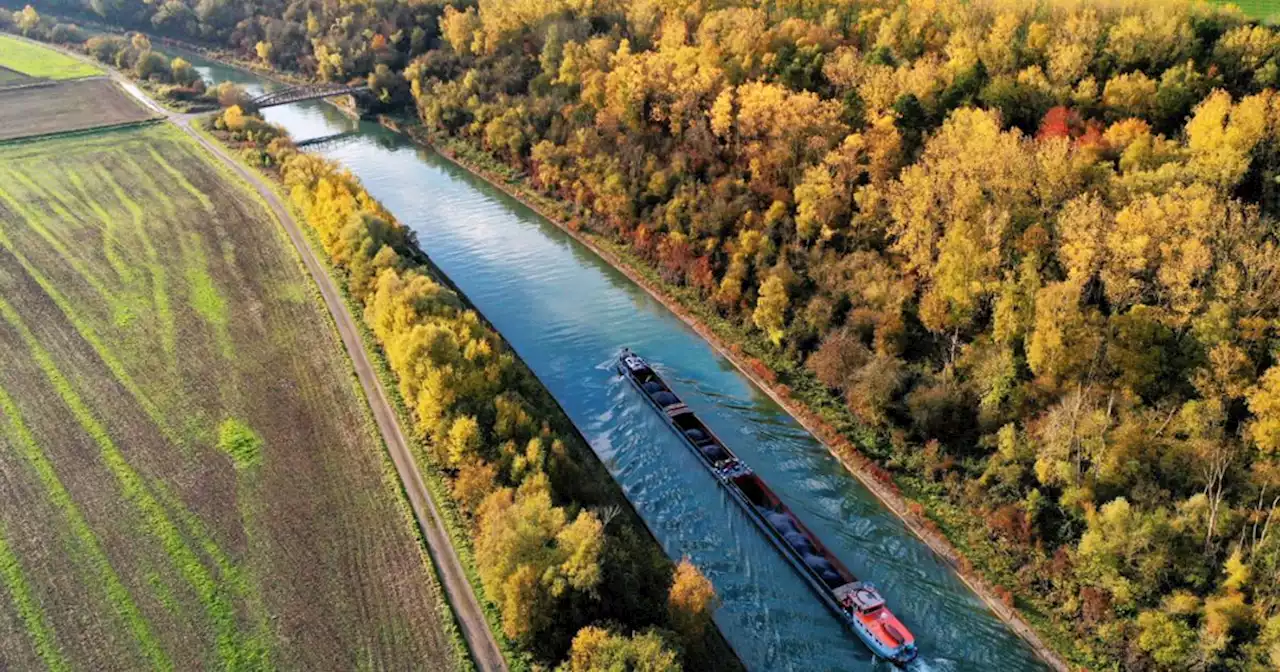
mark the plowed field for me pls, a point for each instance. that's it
(189, 478)
(65, 106)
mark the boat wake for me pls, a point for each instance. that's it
(922, 665)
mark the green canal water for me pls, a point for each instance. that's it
(567, 313)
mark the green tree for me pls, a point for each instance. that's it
(1169, 640)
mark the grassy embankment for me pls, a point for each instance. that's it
(34, 61)
(191, 477)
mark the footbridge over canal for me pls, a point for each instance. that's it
(297, 94)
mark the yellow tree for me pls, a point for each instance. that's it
(1162, 248)
(462, 30)
(1066, 337)
(1222, 136)
(1150, 40)
(528, 554)
(1073, 46)
(953, 214)
(1083, 227)
(771, 308)
(691, 600)
(1131, 94)
(28, 20)
(598, 650)
(782, 131)
(1264, 403)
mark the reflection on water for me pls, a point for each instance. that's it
(567, 314)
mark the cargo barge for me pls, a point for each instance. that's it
(857, 603)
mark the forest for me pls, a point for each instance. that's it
(1033, 245)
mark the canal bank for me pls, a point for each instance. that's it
(566, 312)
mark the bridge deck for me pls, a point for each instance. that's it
(297, 94)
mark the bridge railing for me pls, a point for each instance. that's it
(295, 94)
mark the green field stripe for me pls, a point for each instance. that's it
(33, 220)
(204, 295)
(191, 523)
(117, 594)
(261, 641)
(159, 276)
(37, 182)
(144, 180)
(217, 605)
(110, 230)
(91, 337)
(180, 179)
(38, 628)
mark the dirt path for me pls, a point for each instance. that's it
(470, 616)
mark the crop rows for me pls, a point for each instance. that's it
(189, 478)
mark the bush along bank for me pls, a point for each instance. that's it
(557, 549)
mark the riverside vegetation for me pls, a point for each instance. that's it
(558, 550)
(1031, 245)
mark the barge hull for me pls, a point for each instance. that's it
(856, 603)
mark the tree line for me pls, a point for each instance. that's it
(573, 573)
(174, 81)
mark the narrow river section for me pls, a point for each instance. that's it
(567, 313)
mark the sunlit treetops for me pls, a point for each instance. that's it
(1035, 242)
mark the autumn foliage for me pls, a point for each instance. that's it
(1037, 242)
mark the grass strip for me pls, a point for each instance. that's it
(192, 525)
(216, 602)
(36, 222)
(111, 244)
(181, 180)
(159, 279)
(38, 628)
(117, 595)
(36, 61)
(91, 337)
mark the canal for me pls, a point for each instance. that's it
(567, 313)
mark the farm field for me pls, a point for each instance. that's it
(66, 106)
(36, 61)
(1263, 10)
(188, 476)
